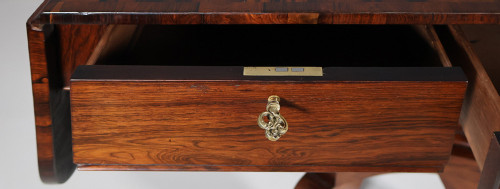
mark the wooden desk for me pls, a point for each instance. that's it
(66, 34)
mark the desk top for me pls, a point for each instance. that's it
(268, 12)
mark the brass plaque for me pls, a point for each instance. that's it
(283, 71)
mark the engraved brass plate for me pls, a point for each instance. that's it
(283, 71)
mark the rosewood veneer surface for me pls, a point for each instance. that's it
(204, 118)
(63, 34)
(270, 12)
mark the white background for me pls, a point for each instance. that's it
(18, 163)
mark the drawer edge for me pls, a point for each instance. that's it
(253, 168)
(231, 73)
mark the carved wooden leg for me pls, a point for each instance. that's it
(317, 181)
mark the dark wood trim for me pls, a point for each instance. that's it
(267, 18)
(52, 122)
(235, 12)
(52, 62)
(233, 73)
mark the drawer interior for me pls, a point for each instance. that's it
(270, 45)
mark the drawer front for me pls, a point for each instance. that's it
(375, 119)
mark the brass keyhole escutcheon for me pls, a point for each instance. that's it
(276, 125)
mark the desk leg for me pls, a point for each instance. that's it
(490, 177)
(317, 181)
(343, 180)
(52, 120)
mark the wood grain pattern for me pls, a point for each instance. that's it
(51, 108)
(270, 12)
(53, 58)
(76, 45)
(481, 110)
(116, 38)
(490, 176)
(253, 168)
(484, 40)
(429, 33)
(461, 171)
(211, 124)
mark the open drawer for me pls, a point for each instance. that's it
(177, 98)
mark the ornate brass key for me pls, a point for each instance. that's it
(277, 125)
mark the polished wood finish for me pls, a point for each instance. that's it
(51, 108)
(429, 33)
(484, 40)
(76, 45)
(481, 110)
(401, 119)
(66, 54)
(54, 37)
(85, 44)
(117, 38)
(251, 168)
(490, 176)
(266, 12)
(52, 60)
(461, 171)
